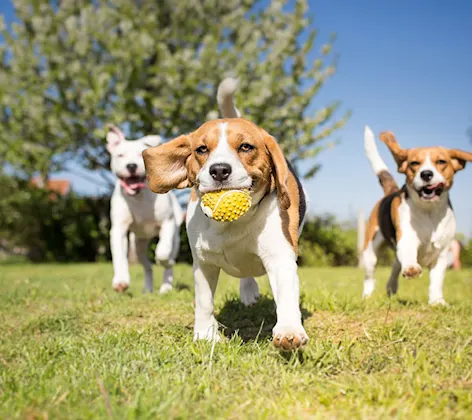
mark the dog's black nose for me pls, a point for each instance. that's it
(132, 167)
(220, 171)
(426, 175)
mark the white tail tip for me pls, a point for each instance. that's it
(378, 165)
(224, 96)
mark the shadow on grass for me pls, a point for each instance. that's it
(181, 286)
(406, 302)
(250, 322)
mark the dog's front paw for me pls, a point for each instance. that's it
(209, 333)
(165, 288)
(249, 291)
(120, 285)
(287, 337)
(438, 302)
(412, 271)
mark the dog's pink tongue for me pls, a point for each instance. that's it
(137, 185)
(131, 188)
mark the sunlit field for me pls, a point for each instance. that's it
(70, 347)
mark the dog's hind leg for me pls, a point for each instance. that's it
(165, 253)
(369, 261)
(175, 245)
(248, 291)
(141, 251)
(392, 285)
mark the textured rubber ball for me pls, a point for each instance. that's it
(226, 205)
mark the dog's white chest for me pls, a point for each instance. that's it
(434, 230)
(143, 213)
(232, 246)
(234, 251)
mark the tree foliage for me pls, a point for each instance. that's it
(69, 67)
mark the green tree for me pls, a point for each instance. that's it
(70, 67)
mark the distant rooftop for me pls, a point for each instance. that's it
(59, 186)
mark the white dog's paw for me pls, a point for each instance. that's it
(369, 286)
(165, 288)
(412, 271)
(438, 302)
(249, 291)
(209, 333)
(120, 284)
(366, 294)
(289, 337)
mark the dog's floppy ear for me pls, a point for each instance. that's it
(166, 165)
(151, 141)
(400, 155)
(114, 137)
(459, 158)
(279, 168)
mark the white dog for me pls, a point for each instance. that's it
(135, 209)
(235, 154)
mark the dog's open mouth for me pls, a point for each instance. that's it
(132, 184)
(431, 192)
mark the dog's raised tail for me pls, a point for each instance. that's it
(225, 98)
(378, 165)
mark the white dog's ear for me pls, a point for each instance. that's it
(151, 141)
(114, 137)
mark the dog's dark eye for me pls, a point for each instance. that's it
(121, 155)
(246, 147)
(202, 150)
(441, 162)
(414, 164)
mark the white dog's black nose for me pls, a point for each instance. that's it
(426, 175)
(220, 171)
(132, 168)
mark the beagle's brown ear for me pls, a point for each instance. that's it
(400, 155)
(166, 165)
(280, 170)
(459, 158)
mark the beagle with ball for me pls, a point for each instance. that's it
(235, 154)
(417, 220)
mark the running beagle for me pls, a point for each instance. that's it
(234, 153)
(416, 220)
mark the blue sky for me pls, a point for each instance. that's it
(404, 66)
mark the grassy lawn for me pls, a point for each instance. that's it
(70, 348)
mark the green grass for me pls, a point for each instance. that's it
(71, 348)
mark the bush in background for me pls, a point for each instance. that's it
(324, 241)
(51, 227)
(466, 253)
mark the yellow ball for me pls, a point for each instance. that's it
(226, 205)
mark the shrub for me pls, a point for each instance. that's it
(51, 227)
(466, 253)
(325, 242)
